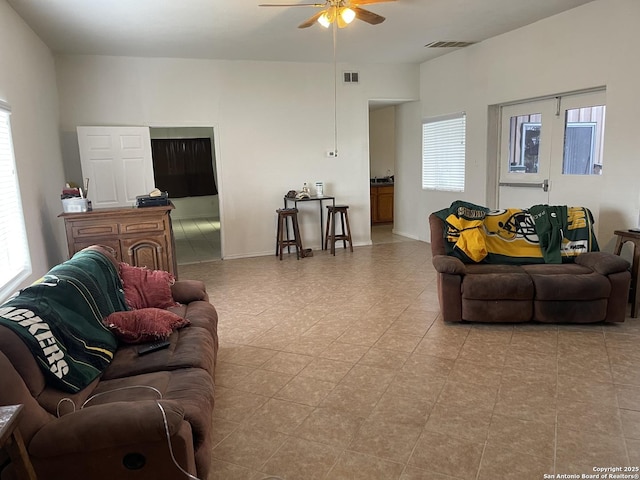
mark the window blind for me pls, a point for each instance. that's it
(15, 263)
(443, 153)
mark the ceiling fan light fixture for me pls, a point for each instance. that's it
(347, 14)
(324, 20)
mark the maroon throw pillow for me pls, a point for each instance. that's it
(144, 325)
(146, 288)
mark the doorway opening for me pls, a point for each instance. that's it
(382, 168)
(196, 217)
(382, 158)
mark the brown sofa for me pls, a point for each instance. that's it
(593, 289)
(121, 432)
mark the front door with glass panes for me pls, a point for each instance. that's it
(551, 152)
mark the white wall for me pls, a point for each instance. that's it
(28, 84)
(274, 125)
(589, 46)
(382, 141)
(410, 209)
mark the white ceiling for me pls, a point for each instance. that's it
(241, 30)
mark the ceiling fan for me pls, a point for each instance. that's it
(342, 12)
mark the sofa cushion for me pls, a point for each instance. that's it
(200, 314)
(187, 291)
(484, 268)
(570, 311)
(603, 263)
(570, 287)
(144, 325)
(554, 269)
(497, 310)
(190, 347)
(497, 286)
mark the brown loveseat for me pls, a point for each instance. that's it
(593, 288)
(114, 428)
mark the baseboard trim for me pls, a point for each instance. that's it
(404, 234)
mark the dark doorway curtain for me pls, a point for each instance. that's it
(183, 167)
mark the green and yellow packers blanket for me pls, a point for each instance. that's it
(60, 316)
(539, 234)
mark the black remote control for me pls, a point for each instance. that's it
(152, 347)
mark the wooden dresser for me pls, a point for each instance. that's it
(140, 236)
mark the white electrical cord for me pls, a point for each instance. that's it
(166, 431)
(60, 402)
(67, 399)
(119, 389)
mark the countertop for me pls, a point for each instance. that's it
(381, 184)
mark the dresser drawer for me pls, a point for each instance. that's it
(143, 225)
(113, 243)
(94, 229)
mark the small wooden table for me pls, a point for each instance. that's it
(311, 199)
(633, 237)
(11, 441)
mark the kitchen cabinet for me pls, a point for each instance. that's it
(140, 236)
(381, 203)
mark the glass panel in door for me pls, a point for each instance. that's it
(583, 140)
(524, 143)
(524, 154)
(578, 160)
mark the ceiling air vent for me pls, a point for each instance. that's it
(351, 77)
(448, 44)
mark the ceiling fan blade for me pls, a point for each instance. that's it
(368, 2)
(311, 20)
(367, 16)
(295, 4)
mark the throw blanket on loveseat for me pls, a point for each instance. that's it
(540, 234)
(60, 319)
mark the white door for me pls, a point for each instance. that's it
(525, 154)
(577, 162)
(118, 163)
(551, 152)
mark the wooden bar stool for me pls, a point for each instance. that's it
(330, 232)
(625, 236)
(292, 214)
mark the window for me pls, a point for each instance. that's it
(530, 149)
(443, 153)
(15, 263)
(583, 140)
(524, 143)
(183, 167)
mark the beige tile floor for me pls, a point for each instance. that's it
(340, 368)
(384, 234)
(197, 240)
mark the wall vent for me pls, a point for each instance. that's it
(448, 44)
(351, 77)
